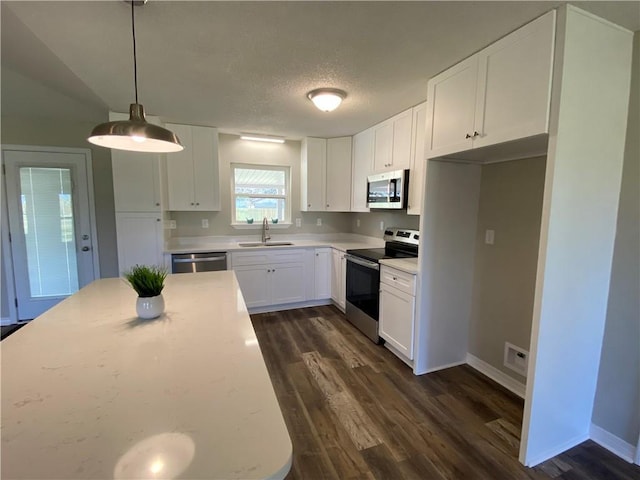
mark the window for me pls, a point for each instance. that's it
(260, 191)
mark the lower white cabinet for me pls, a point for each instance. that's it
(322, 274)
(339, 278)
(397, 309)
(271, 277)
(140, 239)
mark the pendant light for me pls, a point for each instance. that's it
(135, 134)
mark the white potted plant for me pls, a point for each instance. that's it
(148, 282)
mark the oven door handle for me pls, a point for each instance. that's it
(360, 261)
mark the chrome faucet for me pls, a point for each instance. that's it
(265, 228)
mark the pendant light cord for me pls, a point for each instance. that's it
(135, 61)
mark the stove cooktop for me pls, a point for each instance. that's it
(377, 254)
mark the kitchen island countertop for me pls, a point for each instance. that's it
(91, 391)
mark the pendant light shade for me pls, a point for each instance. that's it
(326, 99)
(135, 134)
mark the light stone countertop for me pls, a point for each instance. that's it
(91, 391)
(409, 265)
(341, 242)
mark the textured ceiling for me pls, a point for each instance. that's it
(247, 66)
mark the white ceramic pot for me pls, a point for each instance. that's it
(150, 307)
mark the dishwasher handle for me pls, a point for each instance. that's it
(199, 260)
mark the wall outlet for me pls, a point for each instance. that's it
(357, 223)
(319, 222)
(298, 222)
(381, 226)
(205, 223)
(489, 236)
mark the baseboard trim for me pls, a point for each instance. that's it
(614, 444)
(289, 306)
(552, 452)
(496, 375)
(442, 367)
(6, 321)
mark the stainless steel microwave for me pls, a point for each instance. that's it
(388, 190)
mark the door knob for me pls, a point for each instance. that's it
(85, 249)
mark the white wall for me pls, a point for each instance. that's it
(617, 402)
(580, 206)
(505, 272)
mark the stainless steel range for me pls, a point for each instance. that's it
(363, 277)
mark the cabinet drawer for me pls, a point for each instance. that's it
(267, 257)
(405, 282)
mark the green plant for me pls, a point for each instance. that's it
(147, 281)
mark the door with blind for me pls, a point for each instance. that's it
(51, 225)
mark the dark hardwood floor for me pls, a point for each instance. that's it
(355, 411)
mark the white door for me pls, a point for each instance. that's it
(50, 224)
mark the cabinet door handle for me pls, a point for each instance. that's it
(327, 205)
(192, 203)
(468, 136)
(157, 219)
(197, 203)
(157, 204)
(475, 134)
(395, 278)
(309, 205)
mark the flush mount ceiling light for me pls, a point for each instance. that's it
(326, 99)
(135, 134)
(261, 138)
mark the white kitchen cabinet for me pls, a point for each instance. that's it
(322, 264)
(193, 178)
(500, 94)
(254, 281)
(338, 177)
(136, 181)
(326, 175)
(397, 310)
(416, 174)
(287, 283)
(139, 239)
(392, 143)
(339, 278)
(361, 169)
(313, 169)
(271, 277)
(136, 176)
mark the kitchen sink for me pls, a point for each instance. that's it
(265, 244)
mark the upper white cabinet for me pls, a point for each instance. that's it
(416, 175)
(193, 178)
(338, 188)
(136, 176)
(361, 169)
(500, 94)
(392, 143)
(313, 168)
(326, 175)
(136, 181)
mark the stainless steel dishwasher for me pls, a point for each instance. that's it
(198, 262)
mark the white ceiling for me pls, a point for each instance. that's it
(247, 66)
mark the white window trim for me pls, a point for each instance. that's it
(258, 225)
